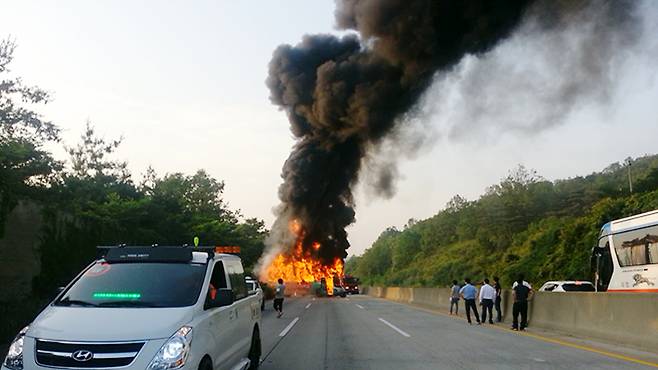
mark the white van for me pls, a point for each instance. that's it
(151, 308)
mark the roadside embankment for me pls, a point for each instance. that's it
(629, 319)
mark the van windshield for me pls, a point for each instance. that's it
(136, 285)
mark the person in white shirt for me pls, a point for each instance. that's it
(487, 297)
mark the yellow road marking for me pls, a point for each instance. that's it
(589, 349)
(539, 337)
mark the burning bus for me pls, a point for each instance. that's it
(299, 267)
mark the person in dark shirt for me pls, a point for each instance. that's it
(499, 315)
(521, 292)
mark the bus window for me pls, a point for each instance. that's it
(637, 247)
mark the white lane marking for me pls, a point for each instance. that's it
(287, 329)
(361, 307)
(307, 306)
(394, 327)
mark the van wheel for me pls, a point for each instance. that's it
(205, 364)
(254, 350)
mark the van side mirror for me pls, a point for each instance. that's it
(224, 297)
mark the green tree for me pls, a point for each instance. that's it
(24, 163)
(90, 158)
(649, 182)
(524, 224)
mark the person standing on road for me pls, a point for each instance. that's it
(527, 284)
(499, 290)
(454, 297)
(278, 297)
(521, 292)
(469, 292)
(487, 297)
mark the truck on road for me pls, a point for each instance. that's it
(351, 284)
(151, 308)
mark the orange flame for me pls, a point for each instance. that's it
(298, 266)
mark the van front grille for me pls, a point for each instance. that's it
(86, 355)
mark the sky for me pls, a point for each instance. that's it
(183, 83)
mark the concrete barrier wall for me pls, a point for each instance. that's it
(626, 318)
(629, 319)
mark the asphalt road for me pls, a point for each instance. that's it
(361, 332)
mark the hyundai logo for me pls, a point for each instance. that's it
(82, 355)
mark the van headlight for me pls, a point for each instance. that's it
(173, 354)
(14, 359)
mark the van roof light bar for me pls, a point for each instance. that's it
(148, 254)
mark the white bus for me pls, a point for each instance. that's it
(626, 257)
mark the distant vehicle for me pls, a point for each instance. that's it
(351, 284)
(626, 257)
(254, 288)
(567, 286)
(340, 291)
(147, 308)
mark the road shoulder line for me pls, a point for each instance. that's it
(588, 349)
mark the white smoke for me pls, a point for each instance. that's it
(541, 75)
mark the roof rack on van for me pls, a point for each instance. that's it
(157, 253)
(146, 254)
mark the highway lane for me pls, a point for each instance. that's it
(273, 327)
(367, 333)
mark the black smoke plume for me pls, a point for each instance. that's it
(343, 95)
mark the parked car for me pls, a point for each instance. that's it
(339, 291)
(567, 286)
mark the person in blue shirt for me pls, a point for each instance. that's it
(469, 293)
